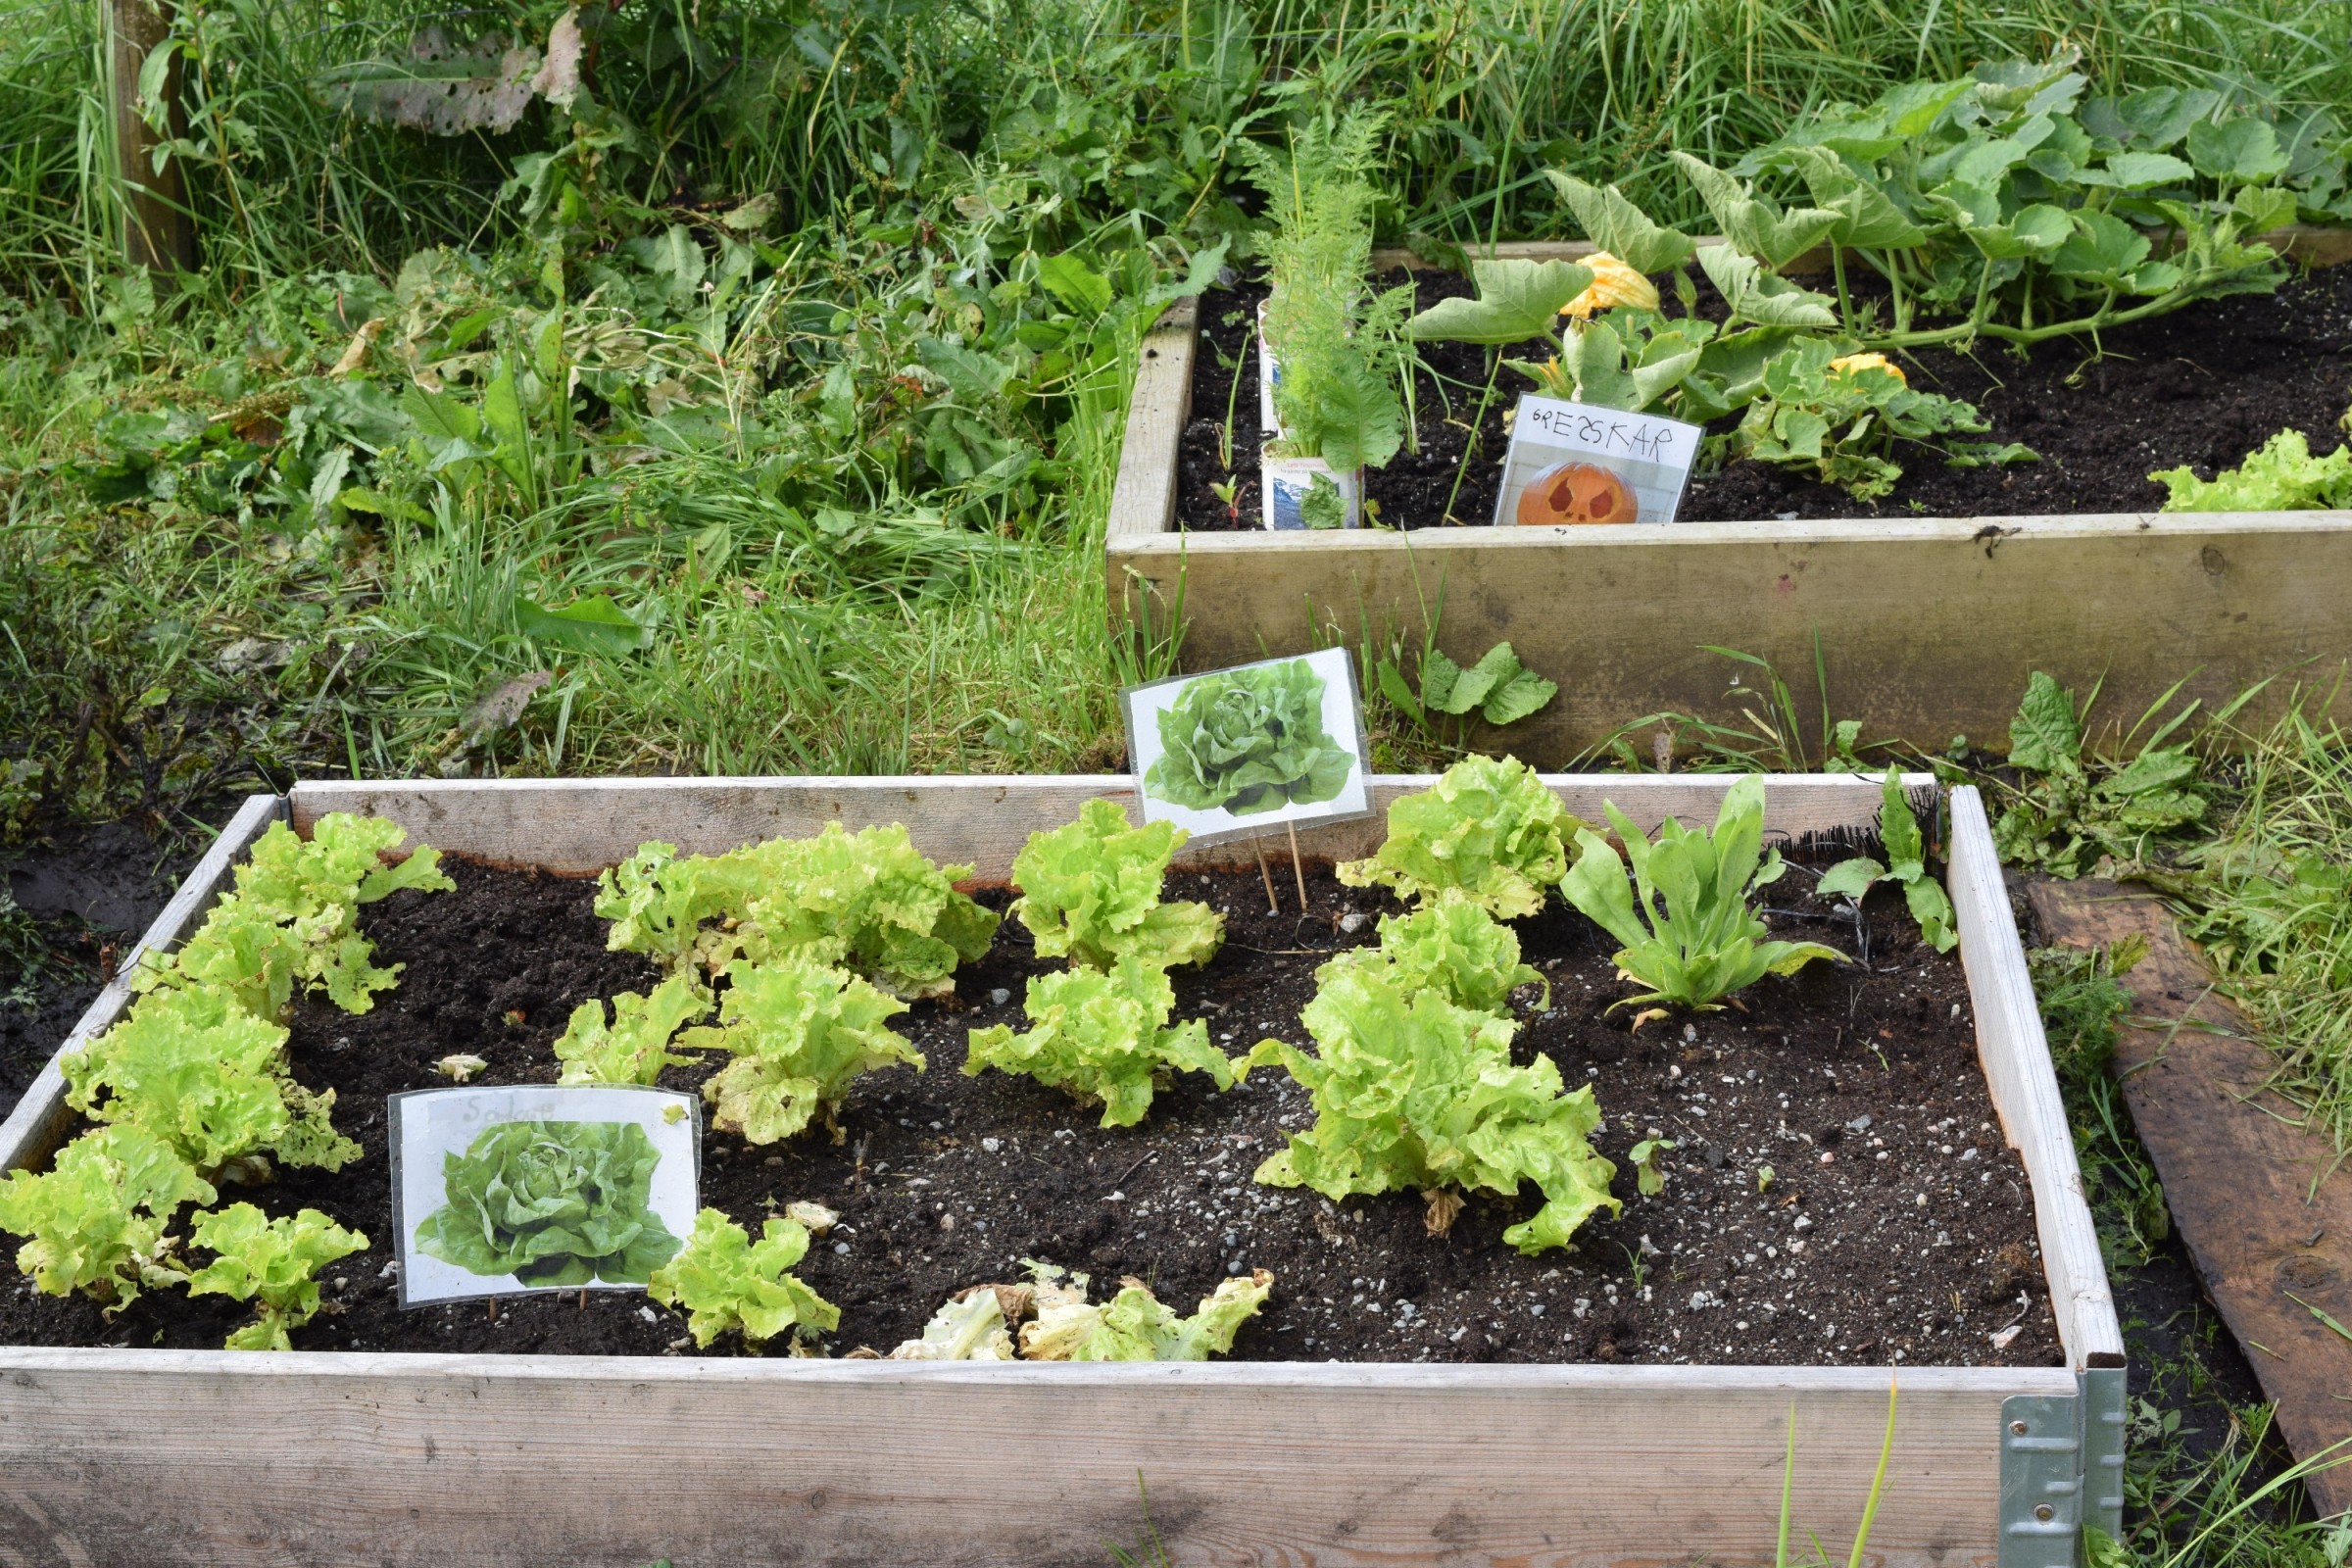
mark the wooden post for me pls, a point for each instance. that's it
(155, 231)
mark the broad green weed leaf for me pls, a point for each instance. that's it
(1076, 284)
(1523, 694)
(2044, 735)
(591, 625)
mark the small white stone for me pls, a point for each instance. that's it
(1352, 922)
(842, 1247)
(647, 1313)
(991, 1145)
(998, 996)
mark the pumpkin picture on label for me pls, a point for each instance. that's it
(1577, 493)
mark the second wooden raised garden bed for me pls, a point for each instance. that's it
(1928, 625)
(123, 1453)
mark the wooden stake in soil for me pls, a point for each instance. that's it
(1296, 870)
(157, 233)
(494, 1309)
(1273, 906)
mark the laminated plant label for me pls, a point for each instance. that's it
(1250, 749)
(502, 1191)
(1300, 493)
(1576, 463)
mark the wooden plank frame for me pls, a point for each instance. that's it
(1928, 626)
(218, 1458)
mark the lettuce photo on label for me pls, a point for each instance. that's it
(552, 1202)
(1247, 741)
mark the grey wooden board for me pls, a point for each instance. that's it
(210, 1457)
(1929, 627)
(37, 1122)
(2016, 1054)
(582, 826)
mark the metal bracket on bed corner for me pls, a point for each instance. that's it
(2062, 1467)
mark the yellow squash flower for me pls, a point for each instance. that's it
(1851, 362)
(1613, 285)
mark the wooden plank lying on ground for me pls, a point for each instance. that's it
(2263, 1205)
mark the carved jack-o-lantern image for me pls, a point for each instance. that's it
(1577, 492)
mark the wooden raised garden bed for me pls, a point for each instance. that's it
(130, 1455)
(1928, 625)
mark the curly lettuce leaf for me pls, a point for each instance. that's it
(2283, 476)
(94, 1220)
(799, 1034)
(1137, 1326)
(869, 900)
(1249, 740)
(725, 1281)
(1488, 831)
(1102, 1037)
(291, 919)
(274, 1262)
(1089, 892)
(195, 1069)
(634, 1046)
(552, 1203)
(1453, 947)
(969, 1328)
(1688, 933)
(1411, 1092)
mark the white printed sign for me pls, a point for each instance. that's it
(1575, 462)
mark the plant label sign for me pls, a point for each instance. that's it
(1250, 749)
(502, 1191)
(1575, 462)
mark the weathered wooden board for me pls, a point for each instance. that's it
(582, 826)
(1929, 627)
(37, 1122)
(208, 1458)
(2264, 1205)
(1144, 496)
(2016, 1054)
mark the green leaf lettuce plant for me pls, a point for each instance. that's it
(2283, 476)
(1089, 892)
(869, 901)
(1688, 931)
(552, 1203)
(271, 1262)
(94, 1220)
(1249, 740)
(801, 1034)
(1488, 831)
(726, 1281)
(1102, 1036)
(1411, 1092)
(633, 1046)
(1453, 947)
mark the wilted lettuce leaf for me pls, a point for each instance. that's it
(1102, 1037)
(95, 1218)
(725, 1281)
(1135, 1325)
(1488, 831)
(1452, 948)
(2283, 476)
(799, 1034)
(1090, 891)
(195, 1069)
(634, 1046)
(1688, 931)
(291, 918)
(868, 900)
(1247, 741)
(1415, 1092)
(272, 1261)
(970, 1328)
(551, 1202)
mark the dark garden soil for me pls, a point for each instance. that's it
(82, 897)
(2204, 386)
(1894, 1225)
